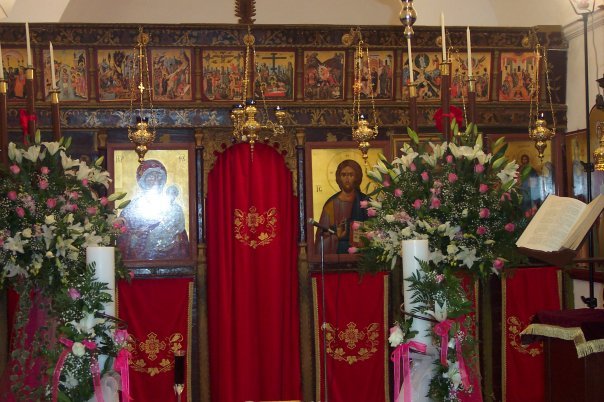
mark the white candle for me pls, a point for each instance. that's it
(442, 33)
(104, 259)
(1, 65)
(28, 45)
(53, 78)
(469, 52)
(414, 250)
(410, 60)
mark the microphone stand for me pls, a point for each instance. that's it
(324, 324)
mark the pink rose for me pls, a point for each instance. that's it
(104, 201)
(91, 210)
(483, 188)
(484, 213)
(510, 227)
(74, 293)
(371, 212)
(498, 264)
(20, 212)
(417, 204)
(481, 230)
(479, 168)
(425, 176)
(12, 195)
(398, 193)
(74, 195)
(434, 203)
(452, 177)
(14, 169)
(85, 182)
(43, 184)
(355, 225)
(439, 278)
(386, 183)
(51, 203)
(352, 250)
(364, 204)
(412, 167)
(44, 170)
(449, 159)
(121, 336)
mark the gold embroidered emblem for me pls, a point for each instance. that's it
(352, 345)
(153, 355)
(254, 228)
(515, 326)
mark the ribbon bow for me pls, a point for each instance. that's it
(402, 352)
(94, 369)
(454, 113)
(442, 329)
(120, 365)
(24, 120)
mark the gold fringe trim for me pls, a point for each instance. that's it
(386, 335)
(575, 334)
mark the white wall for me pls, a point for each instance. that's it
(581, 288)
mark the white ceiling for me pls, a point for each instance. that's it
(336, 12)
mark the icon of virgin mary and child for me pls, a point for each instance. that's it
(154, 219)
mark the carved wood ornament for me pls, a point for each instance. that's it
(245, 10)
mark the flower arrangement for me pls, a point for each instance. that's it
(50, 212)
(466, 203)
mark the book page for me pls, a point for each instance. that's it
(550, 227)
(585, 222)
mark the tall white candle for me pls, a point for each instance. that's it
(53, 79)
(104, 259)
(29, 64)
(442, 33)
(410, 60)
(1, 65)
(469, 52)
(414, 250)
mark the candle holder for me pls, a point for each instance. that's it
(445, 68)
(179, 373)
(29, 73)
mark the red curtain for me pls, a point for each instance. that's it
(525, 292)
(356, 349)
(159, 316)
(252, 280)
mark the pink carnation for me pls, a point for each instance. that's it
(452, 177)
(51, 203)
(352, 250)
(14, 169)
(498, 264)
(12, 195)
(20, 212)
(417, 204)
(435, 203)
(364, 204)
(371, 212)
(484, 213)
(479, 168)
(43, 184)
(481, 230)
(449, 159)
(425, 176)
(398, 192)
(510, 227)
(74, 293)
(483, 188)
(44, 170)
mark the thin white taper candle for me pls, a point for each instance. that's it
(1, 65)
(469, 52)
(410, 60)
(53, 78)
(29, 64)
(442, 33)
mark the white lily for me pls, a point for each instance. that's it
(14, 153)
(440, 312)
(32, 153)
(83, 171)
(67, 162)
(52, 147)
(439, 149)
(14, 244)
(86, 324)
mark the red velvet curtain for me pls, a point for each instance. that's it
(253, 315)
(356, 347)
(525, 292)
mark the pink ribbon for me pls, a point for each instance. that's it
(121, 366)
(442, 329)
(402, 352)
(94, 369)
(463, 370)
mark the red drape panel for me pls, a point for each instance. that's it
(253, 315)
(158, 313)
(356, 317)
(525, 291)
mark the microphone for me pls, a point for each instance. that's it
(322, 227)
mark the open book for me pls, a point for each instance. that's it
(560, 224)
